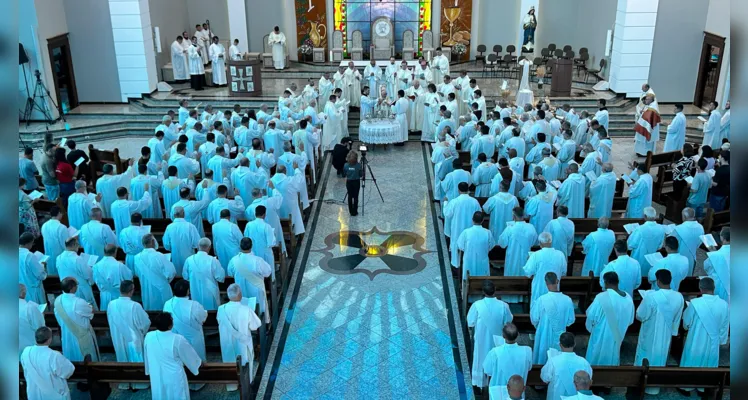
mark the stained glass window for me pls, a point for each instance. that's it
(353, 15)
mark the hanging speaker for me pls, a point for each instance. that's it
(22, 57)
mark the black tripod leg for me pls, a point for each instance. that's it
(375, 181)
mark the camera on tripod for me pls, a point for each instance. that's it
(362, 148)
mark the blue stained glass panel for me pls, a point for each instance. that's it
(401, 27)
(406, 12)
(382, 10)
(359, 12)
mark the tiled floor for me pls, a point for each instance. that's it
(349, 336)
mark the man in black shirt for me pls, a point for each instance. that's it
(721, 182)
(339, 153)
(74, 155)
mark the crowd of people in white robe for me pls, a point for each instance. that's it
(556, 182)
(195, 144)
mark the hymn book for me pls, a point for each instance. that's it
(653, 258)
(708, 240)
(630, 228)
(35, 195)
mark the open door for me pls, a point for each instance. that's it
(62, 72)
(710, 65)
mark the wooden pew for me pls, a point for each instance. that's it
(661, 159)
(99, 375)
(714, 221)
(98, 158)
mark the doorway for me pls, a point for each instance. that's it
(62, 72)
(710, 65)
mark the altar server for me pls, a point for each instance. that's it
(486, 316)
(123, 208)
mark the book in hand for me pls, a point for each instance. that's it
(708, 240)
(653, 258)
(62, 142)
(556, 184)
(72, 232)
(591, 176)
(35, 195)
(79, 161)
(702, 119)
(669, 229)
(630, 228)
(711, 172)
(689, 179)
(89, 259)
(627, 179)
(41, 257)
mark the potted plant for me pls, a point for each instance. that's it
(306, 50)
(459, 49)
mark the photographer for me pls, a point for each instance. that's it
(353, 172)
(340, 153)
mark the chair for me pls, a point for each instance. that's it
(357, 46)
(583, 50)
(549, 67)
(581, 62)
(507, 64)
(267, 53)
(545, 53)
(497, 49)
(552, 47)
(408, 49)
(538, 61)
(381, 48)
(596, 72)
(337, 46)
(558, 53)
(511, 49)
(567, 48)
(569, 54)
(428, 42)
(491, 64)
(481, 56)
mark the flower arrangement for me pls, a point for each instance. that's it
(305, 49)
(460, 48)
(540, 72)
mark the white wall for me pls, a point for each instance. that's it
(216, 11)
(262, 16)
(27, 29)
(718, 22)
(676, 51)
(497, 24)
(133, 46)
(50, 15)
(171, 17)
(92, 50)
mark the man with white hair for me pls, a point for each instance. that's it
(181, 238)
(540, 206)
(74, 316)
(29, 319)
(236, 321)
(108, 274)
(203, 272)
(94, 235)
(648, 238)
(128, 325)
(689, 234)
(571, 193)
(170, 132)
(71, 264)
(551, 314)
(597, 247)
(108, 183)
(263, 237)
(227, 237)
(640, 193)
(521, 236)
(155, 271)
(46, 371)
(80, 204)
(602, 190)
(608, 318)
(583, 382)
(123, 208)
(562, 231)
(458, 214)
(249, 272)
(545, 260)
(717, 265)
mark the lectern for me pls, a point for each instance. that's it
(561, 82)
(244, 78)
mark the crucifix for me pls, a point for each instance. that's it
(241, 78)
(310, 6)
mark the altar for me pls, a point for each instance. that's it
(379, 131)
(380, 63)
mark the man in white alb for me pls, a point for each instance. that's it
(29, 319)
(550, 315)
(128, 325)
(46, 371)
(236, 321)
(179, 63)
(166, 354)
(218, 58)
(188, 317)
(235, 53)
(486, 317)
(74, 316)
(277, 42)
(608, 318)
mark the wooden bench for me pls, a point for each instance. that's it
(99, 375)
(714, 221)
(99, 158)
(661, 159)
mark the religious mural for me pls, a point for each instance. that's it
(455, 27)
(406, 15)
(311, 31)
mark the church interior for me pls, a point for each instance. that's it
(433, 173)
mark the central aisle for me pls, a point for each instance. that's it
(370, 310)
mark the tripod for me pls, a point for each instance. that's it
(366, 166)
(41, 92)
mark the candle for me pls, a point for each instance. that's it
(330, 55)
(429, 56)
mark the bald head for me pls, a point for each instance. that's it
(234, 292)
(688, 214)
(545, 239)
(582, 380)
(515, 386)
(607, 167)
(204, 244)
(603, 222)
(178, 212)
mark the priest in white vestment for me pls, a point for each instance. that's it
(712, 127)
(352, 85)
(628, 269)
(139, 186)
(31, 271)
(707, 320)
(188, 316)
(249, 272)
(166, 354)
(597, 248)
(29, 319)
(290, 187)
(602, 190)
(551, 314)
(155, 272)
(608, 318)
(236, 321)
(689, 234)
(499, 207)
(46, 371)
(108, 274)
(373, 76)
(123, 208)
(108, 184)
(545, 260)
(215, 208)
(333, 127)
(640, 193)
(80, 204)
(521, 236)
(415, 95)
(562, 231)
(561, 367)
(94, 235)
(439, 65)
(676, 131)
(458, 214)
(131, 239)
(486, 316)
(660, 314)
(717, 265)
(181, 238)
(204, 272)
(571, 193)
(179, 62)
(475, 243)
(262, 236)
(72, 265)
(74, 316)
(277, 42)
(507, 359)
(540, 207)
(648, 238)
(128, 325)
(676, 263)
(218, 58)
(430, 114)
(227, 236)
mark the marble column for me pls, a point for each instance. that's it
(238, 24)
(133, 47)
(289, 28)
(436, 20)
(474, 26)
(633, 39)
